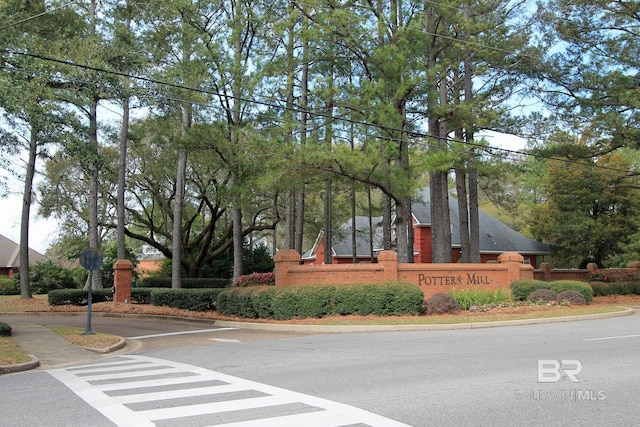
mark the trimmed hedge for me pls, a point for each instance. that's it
(521, 289)
(78, 296)
(318, 301)
(202, 283)
(615, 288)
(186, 299)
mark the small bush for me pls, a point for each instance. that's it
(442, 303)
(615, 288)
(474, 297)
(186, 299)
(520, 289)
(78, 296)
(255, 279)
(543, 295)
(9, 286)
(5, 330)
(572, 297)
(585, 289)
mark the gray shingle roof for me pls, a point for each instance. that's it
(495, 237)
(10, 254)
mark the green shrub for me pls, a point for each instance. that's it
(9, 286)
(322, 300)
(572, 297)
(585, 289)
(475, 297)
(255, 279)
(238, 302)
(615, 288)
(78, 296)
(197, 283)
(46, 276)
(186, 299)
(543, 295)
(441, 303)
(520, 289)
(381, 299)
(302, 301)
(5, 330)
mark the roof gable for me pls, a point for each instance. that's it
(10, 254)
(495, 236)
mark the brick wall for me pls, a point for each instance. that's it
(431, 278)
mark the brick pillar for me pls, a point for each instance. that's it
(635, 266)
(284, 260)
(389, 262)
(516, 269)
(546, 270)
(122, 272)
(591, 267)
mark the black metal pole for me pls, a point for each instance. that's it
(88, 330)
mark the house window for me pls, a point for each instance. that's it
(527, 261)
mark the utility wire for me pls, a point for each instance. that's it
(488, 149)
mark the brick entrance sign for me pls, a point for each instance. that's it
(431, 278)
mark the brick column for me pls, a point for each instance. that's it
(516, 269)
(546, 270)
(634, 265)
(122, 272)
(284, 260)
(389, 262)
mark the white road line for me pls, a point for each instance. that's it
(223, 340)
(319, 412)
(199, 331)
(318, 418)
(612, 338)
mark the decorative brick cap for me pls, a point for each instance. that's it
(387, 256)
(511, 257)
(634, 265)
(287, 255)
(123, 264)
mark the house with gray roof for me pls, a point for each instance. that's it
(495, 238)
(10, 257)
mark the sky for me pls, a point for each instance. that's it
(43, 232)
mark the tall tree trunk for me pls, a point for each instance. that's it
(304, 89)
(122, 176)
(474, 209)
(238, 238)
(178, 207)
(25, 284)
(94, 233)
(463, 209)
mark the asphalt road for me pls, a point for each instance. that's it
(483, 377)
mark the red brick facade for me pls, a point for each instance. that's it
(431, 278)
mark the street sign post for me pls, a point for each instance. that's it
(91, 259)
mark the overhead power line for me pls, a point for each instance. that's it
(488, 149)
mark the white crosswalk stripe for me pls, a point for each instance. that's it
(143, 391)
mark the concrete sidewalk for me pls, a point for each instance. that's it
(48, 350)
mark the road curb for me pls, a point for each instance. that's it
(281, 327)
(19, 367)
(117, 346)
